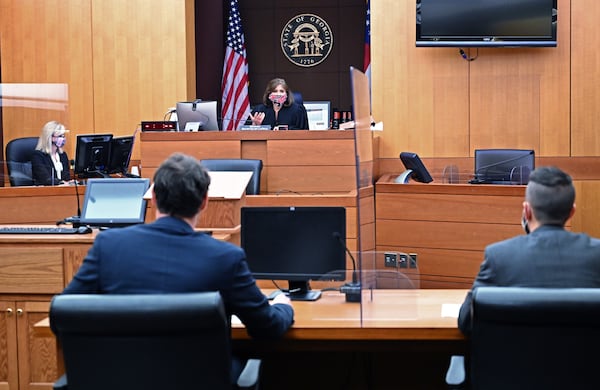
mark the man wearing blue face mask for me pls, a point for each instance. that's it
(279, 110)
(49, 162)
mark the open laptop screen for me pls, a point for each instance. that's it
(114, 202)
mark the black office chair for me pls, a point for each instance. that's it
(18, 160)
(236, 164)
(298, 98)
(535, 338)
(152, 341)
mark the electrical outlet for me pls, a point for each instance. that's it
(403, 261)
(413, 260)
(390, 259)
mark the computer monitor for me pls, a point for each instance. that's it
(297, 244)
(120, 154)
(197, 116)
(318, 114)
(415, 169)
(92, 154)
(503, 166)
(114, 202)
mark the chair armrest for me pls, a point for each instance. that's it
(61, 383)
(455, 376)
(249, 377)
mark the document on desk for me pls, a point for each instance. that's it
(235, 320)
(450, 309)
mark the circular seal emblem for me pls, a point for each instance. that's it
(306, 40)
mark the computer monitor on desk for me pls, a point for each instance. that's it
(114, 202)
(297, 244)
(197, 116)
(92, 155)
(503, 166)
(120, 154)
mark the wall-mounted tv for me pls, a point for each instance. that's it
(486, 23)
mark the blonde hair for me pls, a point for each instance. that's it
(48, 131)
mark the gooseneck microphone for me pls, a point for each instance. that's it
(352, 289)
(75, 219)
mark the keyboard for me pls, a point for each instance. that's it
(43, 230)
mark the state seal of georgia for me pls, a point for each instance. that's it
(306, 40)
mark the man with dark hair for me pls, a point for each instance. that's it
(169, 256)
(549, 255)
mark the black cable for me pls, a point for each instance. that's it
(466, 57)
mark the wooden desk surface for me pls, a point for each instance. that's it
(391, 315)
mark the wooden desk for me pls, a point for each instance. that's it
(299, 161)
(447, 225)
(329, 337)
(38, 205)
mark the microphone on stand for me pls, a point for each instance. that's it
(74, 220)
(352, 289)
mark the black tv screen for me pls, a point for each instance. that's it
(483, 23)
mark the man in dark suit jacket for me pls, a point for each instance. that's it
(549, 255)
(169, 256)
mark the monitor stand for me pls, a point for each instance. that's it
(300, 291)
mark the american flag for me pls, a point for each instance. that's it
(236, 104)
(367, 56)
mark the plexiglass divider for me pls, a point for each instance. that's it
(24, 109)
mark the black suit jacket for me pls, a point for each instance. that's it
(42, 169)
(167, 255)
(548, 257)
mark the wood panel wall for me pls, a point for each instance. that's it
(122, 61)
(129, 61)
(435, 103)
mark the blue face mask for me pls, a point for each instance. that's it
(60, 142)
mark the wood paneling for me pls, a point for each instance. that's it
(585, 78)
(122, 62)
(293, 161)
(31, 270)
(447, 226)
(421, 94)
(437, 104)
(143, 53)
(38, 46)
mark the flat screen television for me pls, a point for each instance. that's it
(297, 244)
(415, 169)
(120, 154)
(114, 202)
(92, 155)
(197, 116)
(486, 23)
(503, 166)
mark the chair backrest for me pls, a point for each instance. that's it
(18, 160)
(151, 341)
(298, 98)
(236, 164)
(535, 338)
